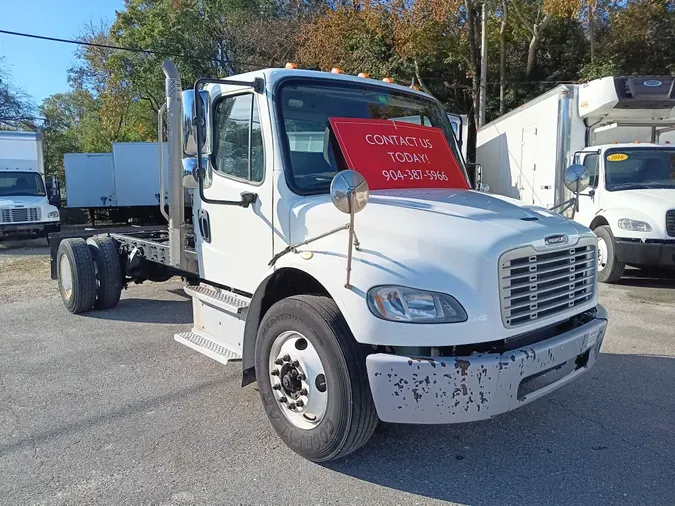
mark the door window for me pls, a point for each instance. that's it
(591, 164)
(238, 145)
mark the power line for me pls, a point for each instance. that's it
(123, 48)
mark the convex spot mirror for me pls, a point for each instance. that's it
(349, 191)
(576, 178)
(193, 119)
(190, 178)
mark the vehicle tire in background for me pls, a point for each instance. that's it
(105, 252)
(610, 269)
(76, 275)
(312, 379)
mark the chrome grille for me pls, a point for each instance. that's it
(670, 222)
(535, 285)
(20, 215)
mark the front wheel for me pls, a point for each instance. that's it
(610, 269)
(312, 379)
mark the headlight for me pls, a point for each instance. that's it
(53, 214)
(634, 225)
(401, 304)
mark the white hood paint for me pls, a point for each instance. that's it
(442, 240)
(22, 201)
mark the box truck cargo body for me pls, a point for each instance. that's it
(120, 186)
(619, 129)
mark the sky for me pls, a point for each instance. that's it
(38, 67)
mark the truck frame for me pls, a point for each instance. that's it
(343, 321)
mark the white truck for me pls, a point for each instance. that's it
(25, 208)
(120, 186)
(428, 306)
(620, 129)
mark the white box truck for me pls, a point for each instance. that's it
(25, 208)
(619, 129)
(120, 186)
(434, 304)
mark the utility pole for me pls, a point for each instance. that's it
(483, 65)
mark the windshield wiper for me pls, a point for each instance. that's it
(630, 186)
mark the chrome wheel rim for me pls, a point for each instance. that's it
(602, 254)
(298, 380)
(66, 276)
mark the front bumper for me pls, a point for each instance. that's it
(661, 254)
(38, 228)
(482, 385)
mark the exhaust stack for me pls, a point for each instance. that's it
(173, 89)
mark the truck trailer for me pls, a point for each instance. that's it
(356, 277)
(620, 129)
(25, 208)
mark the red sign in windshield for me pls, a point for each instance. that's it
(394, 154)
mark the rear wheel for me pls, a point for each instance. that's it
(76, 275)
(610, 269)
(312, 379)
(108, 271)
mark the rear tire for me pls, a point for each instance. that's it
(610, 269)
(76, 275)
(345, 418)
(105, 252)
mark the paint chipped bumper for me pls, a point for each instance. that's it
(482, 385)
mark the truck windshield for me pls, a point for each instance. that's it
(636, 168)
(21, 184)
(305, 106)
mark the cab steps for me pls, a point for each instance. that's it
(207, 345)
(219, 319)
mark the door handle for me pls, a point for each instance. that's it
(204, 225)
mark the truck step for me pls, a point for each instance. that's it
(207, 345)
(227, 301)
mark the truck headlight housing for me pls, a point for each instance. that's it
(53, 214)
(409, 305)
(634, 225)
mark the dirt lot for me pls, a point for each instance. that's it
(106, 408)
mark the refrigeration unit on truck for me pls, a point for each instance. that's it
(356, 277)
(620, 129)
(26, 209)
(120, 186)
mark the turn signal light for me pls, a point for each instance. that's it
(388, 80)
(337, 70)
(291, 65)
(363, 74)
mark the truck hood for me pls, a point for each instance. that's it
(648, 201)
(447, 241)
(22, 201)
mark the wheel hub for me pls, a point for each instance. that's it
(602, 253)
(295, 372)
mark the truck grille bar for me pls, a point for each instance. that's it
(20, 215)
(670, 222)
(535, 285)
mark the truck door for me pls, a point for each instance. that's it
(236, 243)
(528, 165)
(589, 200)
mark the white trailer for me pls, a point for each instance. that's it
(25, 207)
(121, 186)
(619, 129)
(451, 306)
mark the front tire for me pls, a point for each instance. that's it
(76, 275)
(312, 379)
(610, 269)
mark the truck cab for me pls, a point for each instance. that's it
(25, 208)
(355, 276)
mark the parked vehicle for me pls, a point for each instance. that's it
(25, 208)
(426, 302)
(121, 186)
(620, 129)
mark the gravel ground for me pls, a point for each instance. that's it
(24, 267)
(106, 408)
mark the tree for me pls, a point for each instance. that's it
(16, 107)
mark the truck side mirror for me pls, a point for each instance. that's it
(196, 117)
(191, 176)
(577, 178)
